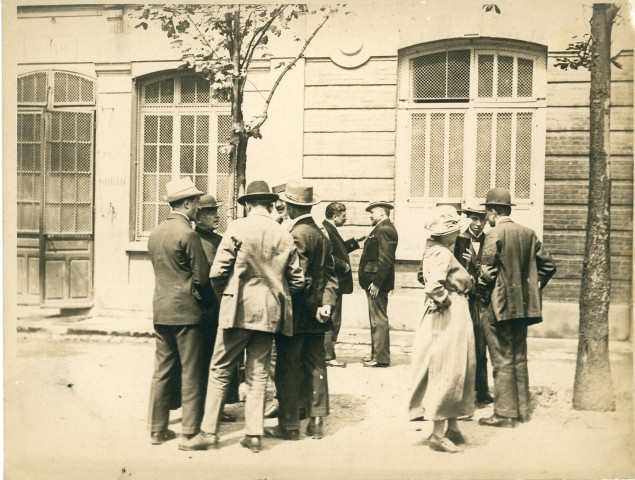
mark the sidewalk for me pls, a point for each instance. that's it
(51, 322)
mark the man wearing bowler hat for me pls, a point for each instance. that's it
(207, 221)
(182, 294)
(471, 243)
(255, 271)
(515, 267)
(301, 364)
(377, 278)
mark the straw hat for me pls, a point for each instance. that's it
(257, 190)
(444, 220)
(179, 189)
(298, 193)
(473, 209)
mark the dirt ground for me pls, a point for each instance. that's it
(95, 428)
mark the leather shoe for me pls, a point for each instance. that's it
(524, 418)
(335, 363)
(485, 398)
(200, 441)
(376, 364)
(281, 433)
(455, 436)
(367, 359)
(315, 428)
(160, 437)
(498, 421)
(251, 442)
(227, 417)
(442, 444)
(272, 410)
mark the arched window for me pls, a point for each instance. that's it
(180, 131)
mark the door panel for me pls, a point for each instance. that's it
(68, 267)
(28, 270)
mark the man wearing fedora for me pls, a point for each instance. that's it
(301, 365)
(471, 243)
(515, 267)
(207, 221)
(182, 293)
(255, 271)
(377, 278)
(336, 217)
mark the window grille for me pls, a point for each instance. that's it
(437, 171)
(72, 89)
(32, 89)
(514, 76)
(29, 171)
(177, 139)
(441, 76)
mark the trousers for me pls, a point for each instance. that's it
(230, 343)
(379, 330)
(330, 337)
(180, 352)
(481, 384)
(301, 374)
(507, 344)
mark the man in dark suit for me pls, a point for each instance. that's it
(182, 293)
(470, 258)
(301, 365)
(515, 267)
(377, 278)
(336, 217)
(207, 221)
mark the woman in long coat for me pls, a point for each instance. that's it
(443, 360)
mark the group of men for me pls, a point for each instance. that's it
(510, 267)
(267, 284)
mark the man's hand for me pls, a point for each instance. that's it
(323, 313)
(348, 268)
(374, 291)
(467, 256)
(361, 238)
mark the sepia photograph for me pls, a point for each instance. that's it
(373, 240)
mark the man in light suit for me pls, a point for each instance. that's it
(377, 278)
(182, 294)
(301, 365)
(470, 258)
(255, 271)
(515, 267)
(336, 217)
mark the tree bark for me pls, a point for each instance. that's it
(593, 387)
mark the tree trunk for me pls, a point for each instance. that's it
(238, 158)
(593, 387)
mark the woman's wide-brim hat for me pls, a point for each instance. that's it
(180, 189)
(444, 220)
(298, 193)
(499, 196)
(209, 201)
(257, 190)
(379, 203)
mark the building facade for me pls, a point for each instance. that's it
(412, 102)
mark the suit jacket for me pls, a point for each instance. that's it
(377, 264)
(210, 242)
(521, 268)
(473, 267)
(316, 259)
(255, 270)
(341, 249)
(182, 290)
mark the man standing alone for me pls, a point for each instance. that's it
(182, 293)
(336, 217)
(377, 278)
(515, 267)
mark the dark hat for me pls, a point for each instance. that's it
(279, 188)
(257, 190)
(379, 203)
(499, 196)
(298, 193)
(208, 201)
(473, 209)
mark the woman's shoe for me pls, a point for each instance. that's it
(442, 444)
(455, 436)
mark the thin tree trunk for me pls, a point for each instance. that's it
(237, 118)
(593, 387)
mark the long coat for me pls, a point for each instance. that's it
(316, 259)
(210, 242)
(255, 271)
(514, 268)
(182, 290)
(377, 265)
(341, 249)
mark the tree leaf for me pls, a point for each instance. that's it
(498, 10)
